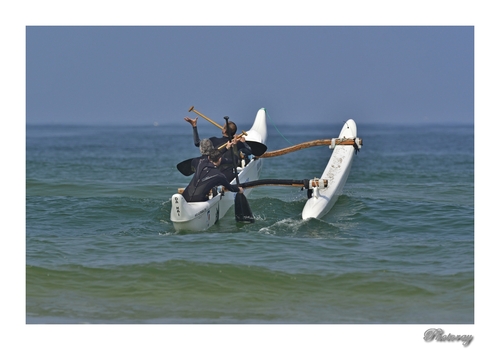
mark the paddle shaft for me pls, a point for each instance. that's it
(205, 117)
(242, 211)
(232, 154)
(236, 137)
(243, 133)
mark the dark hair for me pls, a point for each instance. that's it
(232, 128)
(214, 155)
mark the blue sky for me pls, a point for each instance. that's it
(300, 74)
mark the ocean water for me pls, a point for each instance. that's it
(397, 247)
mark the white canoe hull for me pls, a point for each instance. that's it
(199, 216)
(336, 172)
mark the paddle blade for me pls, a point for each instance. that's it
(258, 148)
(242, 210)
(185, 167)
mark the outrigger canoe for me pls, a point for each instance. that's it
(199, 216)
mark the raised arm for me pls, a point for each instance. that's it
(196, 137)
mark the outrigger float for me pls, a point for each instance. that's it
(322, 193)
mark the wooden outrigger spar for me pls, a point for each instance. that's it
(326, 142)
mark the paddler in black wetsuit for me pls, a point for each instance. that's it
(206, 177)
(227, 162)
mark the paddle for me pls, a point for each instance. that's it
(185, 167)
(257, 148)
(242, 211)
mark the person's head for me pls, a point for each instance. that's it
(214, 156)
(232, 128)
(205, 146)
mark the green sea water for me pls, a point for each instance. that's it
(397, 247)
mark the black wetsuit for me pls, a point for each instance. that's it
(226, 167)
(196, 161)
(196, 138)
(207, 176)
